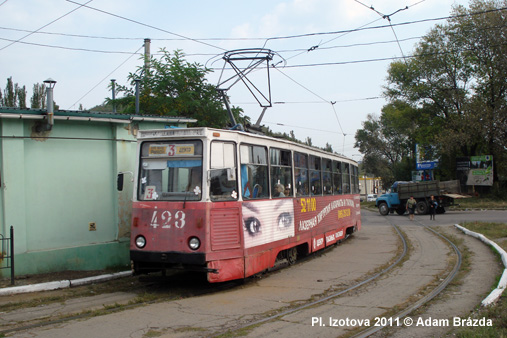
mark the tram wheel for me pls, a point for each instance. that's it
(292, 255)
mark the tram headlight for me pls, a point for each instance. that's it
(194, 243)
(140, 242)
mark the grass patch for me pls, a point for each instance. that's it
(497, 312)
(479, 203)
(491, 230)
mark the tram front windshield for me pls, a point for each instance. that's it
(170, 171)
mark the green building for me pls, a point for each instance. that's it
(58, 187)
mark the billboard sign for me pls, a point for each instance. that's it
(481, 170)
(426, 157)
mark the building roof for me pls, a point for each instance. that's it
(75, 115)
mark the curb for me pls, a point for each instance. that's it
(502, 284)
(62, 284)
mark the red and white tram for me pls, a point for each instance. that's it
(230, 203)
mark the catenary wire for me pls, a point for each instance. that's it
(261, 38)
(147, 25)
(106, 77)
(60, 17)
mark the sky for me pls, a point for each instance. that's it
(330, 57)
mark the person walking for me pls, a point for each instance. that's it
(411, 203)
(433, 207)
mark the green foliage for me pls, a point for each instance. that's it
(452, 94)
(174, 87)
(15, 96)
(38, 99)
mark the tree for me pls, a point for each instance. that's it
(452, 92)
(20, 94)
(9, 94)
(38, 99)
(385, 147)
(175, 87)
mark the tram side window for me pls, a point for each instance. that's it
(345, 178)
(315, 176)
(327, 181)
(301, 174)
(171, 171)
(223, 182)
(337, 178)
(254, 172)
(280, 172)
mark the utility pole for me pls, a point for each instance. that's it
(113, 82)
(147, 56)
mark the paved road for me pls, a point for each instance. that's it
(344, 265)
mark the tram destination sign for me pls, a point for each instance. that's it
(161, 133)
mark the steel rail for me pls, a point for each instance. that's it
(426, 298)
(325, 299)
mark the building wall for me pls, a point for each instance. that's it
(369, 185)
(53, 187)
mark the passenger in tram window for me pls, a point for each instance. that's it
(328, 187)
(279, 190)
(287, 191)
(301, 182)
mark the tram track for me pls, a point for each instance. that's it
(398, 258)
(148, 283)
(384, 271)
(401, 314)
(158, 282)
(428, 297)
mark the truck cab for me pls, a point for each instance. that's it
(390, 201)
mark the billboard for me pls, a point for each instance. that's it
(426, 157)
(481, 170)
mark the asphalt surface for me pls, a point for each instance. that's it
(335, 269)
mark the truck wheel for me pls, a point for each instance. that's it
(422, 208)
(440, 210)
(383, 209)
(400, 211)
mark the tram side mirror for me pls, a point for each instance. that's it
(119, 182)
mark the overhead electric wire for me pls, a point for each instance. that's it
(68, 48)
(319, 102)
(306, 128)
(224, 39)
(128, 38)
(106, 77)
(33, 32)
(388, 17)
(317, 95)
(247, 39)
(187, 54)
(147, 25)
(341, 35)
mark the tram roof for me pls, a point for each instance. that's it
(239, 136)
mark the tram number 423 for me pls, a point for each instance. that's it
(166, 219)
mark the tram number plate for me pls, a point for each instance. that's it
(166, 219)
